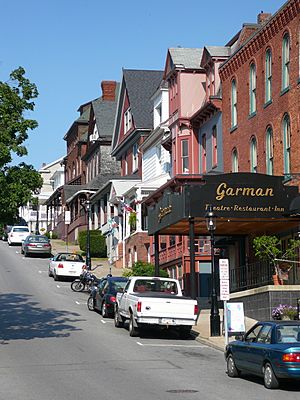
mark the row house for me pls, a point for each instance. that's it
(100, 166)
(194, 143)
(133, 124)
(88, 165)
(75, 172)
(36, 214)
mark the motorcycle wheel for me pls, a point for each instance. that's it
(77, 286)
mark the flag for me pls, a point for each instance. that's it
(127, 207)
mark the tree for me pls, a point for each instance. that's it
(269, 248)
(17, 182)
(141, 268)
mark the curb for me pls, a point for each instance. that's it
(206, 341)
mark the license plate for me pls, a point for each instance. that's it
(167, 321)
(39, 245)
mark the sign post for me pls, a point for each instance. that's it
(224, 291)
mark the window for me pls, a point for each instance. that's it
(269, 151)
(253, 155)
(285, 62)
(264, 335)
(214, 146)
(233, 104)
(234, 161)
(268, 83)
(185, 156)
(286, 128)
(135, 158)
(127, 120)
(203, 153)
(252, 88)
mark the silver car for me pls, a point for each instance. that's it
(36, 244)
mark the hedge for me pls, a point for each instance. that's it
(97, 243)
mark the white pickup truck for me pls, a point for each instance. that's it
(147, 301)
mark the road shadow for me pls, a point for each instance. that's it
(286, 385)
(161, 333)
(23, 318)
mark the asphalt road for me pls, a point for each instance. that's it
(53, 348)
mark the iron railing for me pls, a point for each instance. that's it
(258, 274)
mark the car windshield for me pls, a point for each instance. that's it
(117, 285)
(70, 257)
(155, 286)
(38, 239)
(20, 229)
(288, 334)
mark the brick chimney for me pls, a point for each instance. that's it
(263, 17)
(108, 90)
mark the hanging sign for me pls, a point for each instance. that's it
(67, 217)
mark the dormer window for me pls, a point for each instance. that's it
(95, 135)
(127, 120)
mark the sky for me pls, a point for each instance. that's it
(67, 47)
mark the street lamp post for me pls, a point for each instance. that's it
(214, 310)
(88, 236)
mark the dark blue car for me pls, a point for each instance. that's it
(269, 349)
(103, 297)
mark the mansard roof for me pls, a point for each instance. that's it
(104, 111)
(184, 57)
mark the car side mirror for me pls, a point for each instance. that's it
(240, 337)
(120, 290)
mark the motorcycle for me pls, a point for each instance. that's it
(85, 281)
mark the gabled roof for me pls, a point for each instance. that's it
(140, 85)
(186, 57)
(104, 111)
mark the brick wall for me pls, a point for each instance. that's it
(238, 67)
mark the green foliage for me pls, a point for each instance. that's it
(52, 235)
(141, 268)
(97, 243)
(132, 220)
(268, 248)
(17, 182)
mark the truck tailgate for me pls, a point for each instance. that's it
(167, 307)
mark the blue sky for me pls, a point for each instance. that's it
(68, 47)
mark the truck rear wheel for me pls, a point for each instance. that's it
(133, 331)
(119, 321)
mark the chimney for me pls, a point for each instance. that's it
(263, 17)
(108, 90)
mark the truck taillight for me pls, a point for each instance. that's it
(139, 306)
(196, 309)
(60, 265)
(291, 357)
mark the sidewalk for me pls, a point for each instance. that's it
(201, 330)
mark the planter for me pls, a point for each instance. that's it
(277, 280)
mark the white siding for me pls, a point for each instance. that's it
(150, 164)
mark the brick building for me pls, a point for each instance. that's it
(260, 85)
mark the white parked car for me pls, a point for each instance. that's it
(17, 234)
(66, 265)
